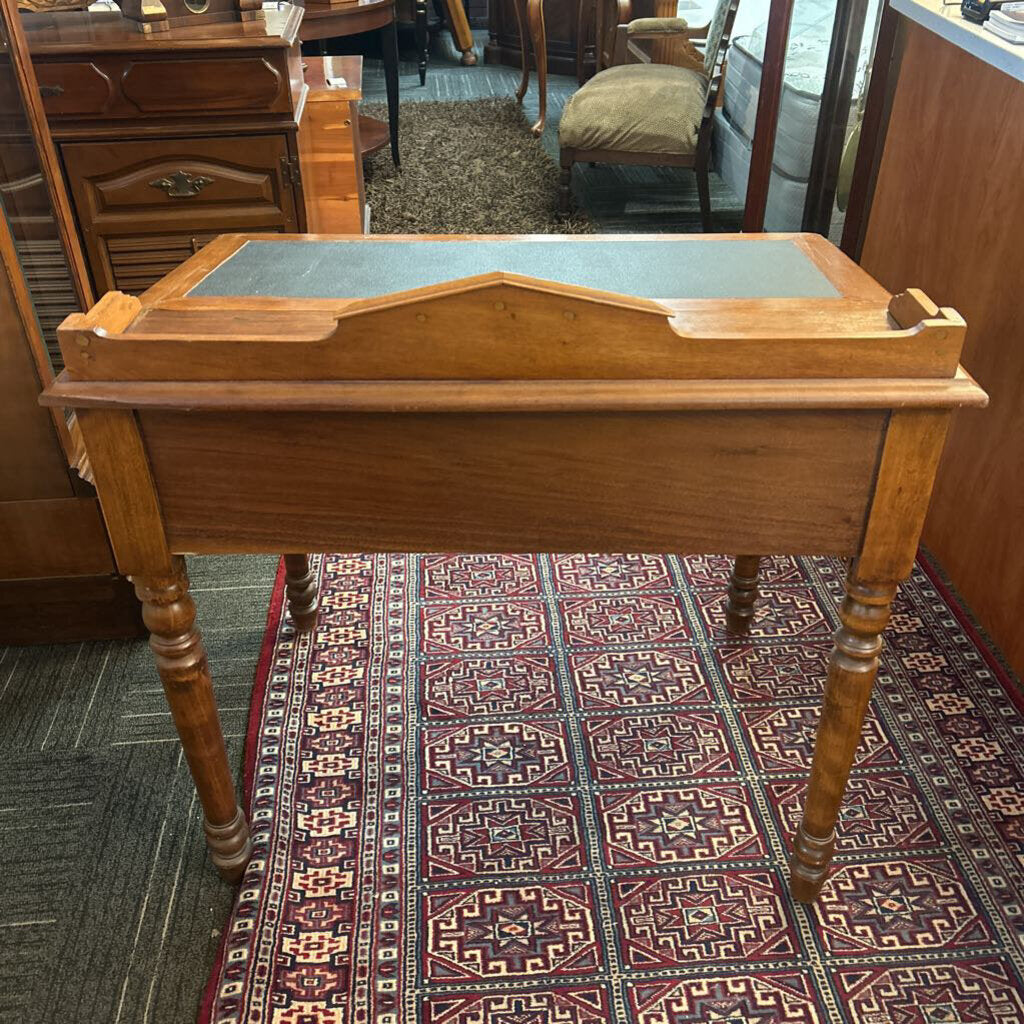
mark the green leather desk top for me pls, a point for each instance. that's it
(645, 268)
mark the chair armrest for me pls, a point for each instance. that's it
(651, 28)
(626, 37)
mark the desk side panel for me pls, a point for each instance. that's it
(676, 482)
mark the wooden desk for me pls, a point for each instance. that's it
(752, 394)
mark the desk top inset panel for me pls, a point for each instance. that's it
(649, 268)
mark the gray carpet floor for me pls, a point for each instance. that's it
(109, 910)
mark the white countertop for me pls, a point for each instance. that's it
(945, 20)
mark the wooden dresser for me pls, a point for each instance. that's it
(567, 53)
(169, 140)
(57, 576)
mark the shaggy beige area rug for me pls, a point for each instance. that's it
(468, 167)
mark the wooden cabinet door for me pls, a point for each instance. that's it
(144, 206)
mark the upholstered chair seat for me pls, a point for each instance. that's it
(603, 114)
(644, 111)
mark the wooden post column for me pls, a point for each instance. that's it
(300, 586)
(170, 615)
(739, 606)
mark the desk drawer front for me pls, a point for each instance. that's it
(788, 482)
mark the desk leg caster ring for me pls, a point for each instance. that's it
(808, 867)
(230, 847)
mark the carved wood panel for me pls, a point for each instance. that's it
(145, 206)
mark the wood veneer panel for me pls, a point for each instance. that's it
(947, 215)
(796, 481)
(75, 541)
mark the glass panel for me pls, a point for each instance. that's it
(26, 205)
(807, 68)
(807, 61)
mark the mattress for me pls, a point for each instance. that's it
(731, 157)
(810, 38)
(798, 108)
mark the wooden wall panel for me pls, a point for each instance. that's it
(948, 217)
(59, 537)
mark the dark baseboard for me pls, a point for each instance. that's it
(69, 610)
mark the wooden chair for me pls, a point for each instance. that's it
(639, 112)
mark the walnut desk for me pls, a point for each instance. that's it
(752, 394)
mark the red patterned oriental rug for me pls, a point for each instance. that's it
(515, 789)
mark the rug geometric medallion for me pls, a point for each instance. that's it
(550, 789)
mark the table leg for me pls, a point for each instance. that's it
(422, 40)
(851, 673)
(739, 607)
(519, 6)
(584, 17)
(389, 51)
(462, 34)
(170, 615)
(538, 37)
(300, 586)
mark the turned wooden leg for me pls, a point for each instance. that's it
(538, 40)
(462, 34)
(704, 196)
(389, 52)
(170, 616)
(422, 38)
(565, 185)
(300, 586)
(519, 7)
(851, 673)
(739, 606)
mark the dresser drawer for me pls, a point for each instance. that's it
(74, 87)
(125, 85)
(144, 206)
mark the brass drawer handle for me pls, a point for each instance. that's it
(51, 90)
(181, 184)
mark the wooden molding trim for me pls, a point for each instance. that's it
(522, 329)
(517, 396)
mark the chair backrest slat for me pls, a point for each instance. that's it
(716, 47)
(718, 34)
